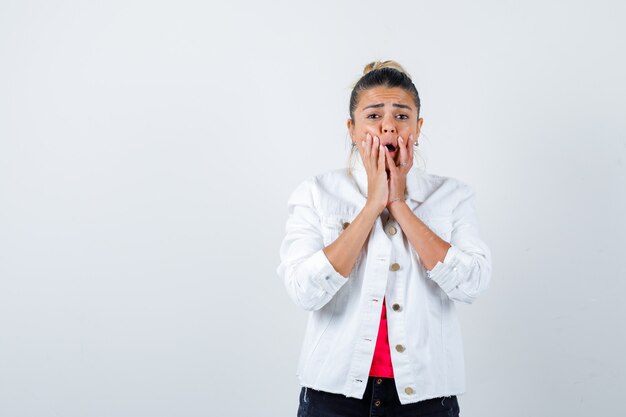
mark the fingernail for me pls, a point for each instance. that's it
(363, 143)
(400, 139)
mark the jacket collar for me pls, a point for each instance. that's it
(416, 183)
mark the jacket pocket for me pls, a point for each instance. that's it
(441, 225)
(332, 226)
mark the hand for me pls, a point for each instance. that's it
(373, 157)
(397, 174)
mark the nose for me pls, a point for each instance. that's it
(388, 124)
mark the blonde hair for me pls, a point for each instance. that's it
(387, 73)
(376, 65)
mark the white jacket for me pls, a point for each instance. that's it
(424, 332)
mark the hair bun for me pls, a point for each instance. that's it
(376, 65)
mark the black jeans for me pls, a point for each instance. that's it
(380, 399)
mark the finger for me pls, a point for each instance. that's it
(403, 151)
(411, 149)
(364, 151)
(381, 158)
(371, 149)
(367, 148)
(392, 165)
(375, 151)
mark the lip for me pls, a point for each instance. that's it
(395, 146)
(394, 155)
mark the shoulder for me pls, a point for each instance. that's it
(440, 194)
(334, 190)
(316, 184)
(331, 177)
(452, 184)
(328, 180)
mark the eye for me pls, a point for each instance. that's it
(369, 116)
(403, 116)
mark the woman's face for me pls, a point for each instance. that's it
(386, 113)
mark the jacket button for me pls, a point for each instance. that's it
(394, 266)
(396, 307)
(408, 390)
(392, 230)
(400, 348)
(379, 381)
(377, 403)
(345, 224)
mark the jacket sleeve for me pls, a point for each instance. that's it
(466, 269)
(309, 277)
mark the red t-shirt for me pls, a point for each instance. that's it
(381, 363)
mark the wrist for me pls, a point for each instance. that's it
(372, 210)
(396, 204)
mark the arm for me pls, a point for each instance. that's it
(344, 251)
(312, 273)
(428, 245)
(462, 267)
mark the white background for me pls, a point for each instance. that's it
(147, 150)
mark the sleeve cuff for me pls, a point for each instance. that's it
(324, 274)
(449, 274)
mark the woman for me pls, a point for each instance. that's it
(379, 254)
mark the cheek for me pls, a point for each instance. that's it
(360, 135)
(363, 133)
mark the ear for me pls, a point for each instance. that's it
(350, 127)
(420, 121)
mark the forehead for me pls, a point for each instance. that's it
(385, 95)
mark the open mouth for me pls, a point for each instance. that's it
(390, 147)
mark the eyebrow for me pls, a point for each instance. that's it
(402, 106)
